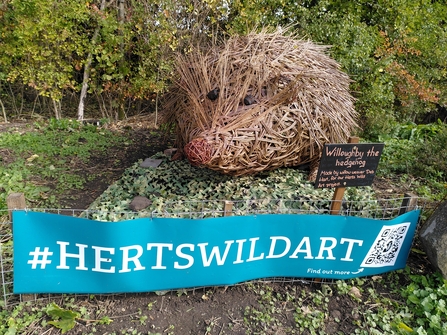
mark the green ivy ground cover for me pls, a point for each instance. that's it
(178, 189)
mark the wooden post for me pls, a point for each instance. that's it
(340, 191)
(228, 208)
(15, 201)
(408, 203)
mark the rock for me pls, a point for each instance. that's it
(138, 203)
(433, 237)
(150, 162)
(336, 314)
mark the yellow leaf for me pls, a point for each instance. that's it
(403, 326)
(31, 158)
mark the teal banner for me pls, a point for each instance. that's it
(61, 254)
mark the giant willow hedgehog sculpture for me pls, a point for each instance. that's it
(259, 102)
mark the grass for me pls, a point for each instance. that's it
(49, 153)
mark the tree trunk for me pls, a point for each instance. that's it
(121, 113)
(3, 110)
(87, 67)
(57, 109)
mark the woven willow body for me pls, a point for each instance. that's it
(298, 100)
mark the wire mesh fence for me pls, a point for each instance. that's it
(383, 209)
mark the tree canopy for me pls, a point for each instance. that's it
(394, 50)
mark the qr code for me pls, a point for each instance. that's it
(385, 248)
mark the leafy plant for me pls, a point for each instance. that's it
(61, 318)
(312, 316)
(417, 152)
(33, 48)
(423, 311)
(15, 321)
(431, 156)
(426, 297)
(259, 319)
(178, 189)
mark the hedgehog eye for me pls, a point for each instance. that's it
(249, 100)
(213, 94)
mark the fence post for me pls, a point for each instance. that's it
(228, 208)
(17, 201)
(408, 203)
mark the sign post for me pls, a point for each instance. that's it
(340, 191)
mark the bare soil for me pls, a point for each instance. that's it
(240, 309)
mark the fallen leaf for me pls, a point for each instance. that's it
(31, 158)
(355, 292)
(306, 310)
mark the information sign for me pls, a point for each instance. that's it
(351, 164)
(62, 254)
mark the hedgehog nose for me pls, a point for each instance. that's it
(213, 94)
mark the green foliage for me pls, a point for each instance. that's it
(418, 150)
(41, 53)
(426, 297)
(393, 50)
(61, 318)
(18, 319)
(24, 316)
(48, 154)
(414, 132)
(129, 47)
(310, 310)
(386, 58)
(311, 316)
(182, 190)
(431, 156)
(423, 312)
(397, 156)
(414, 304)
